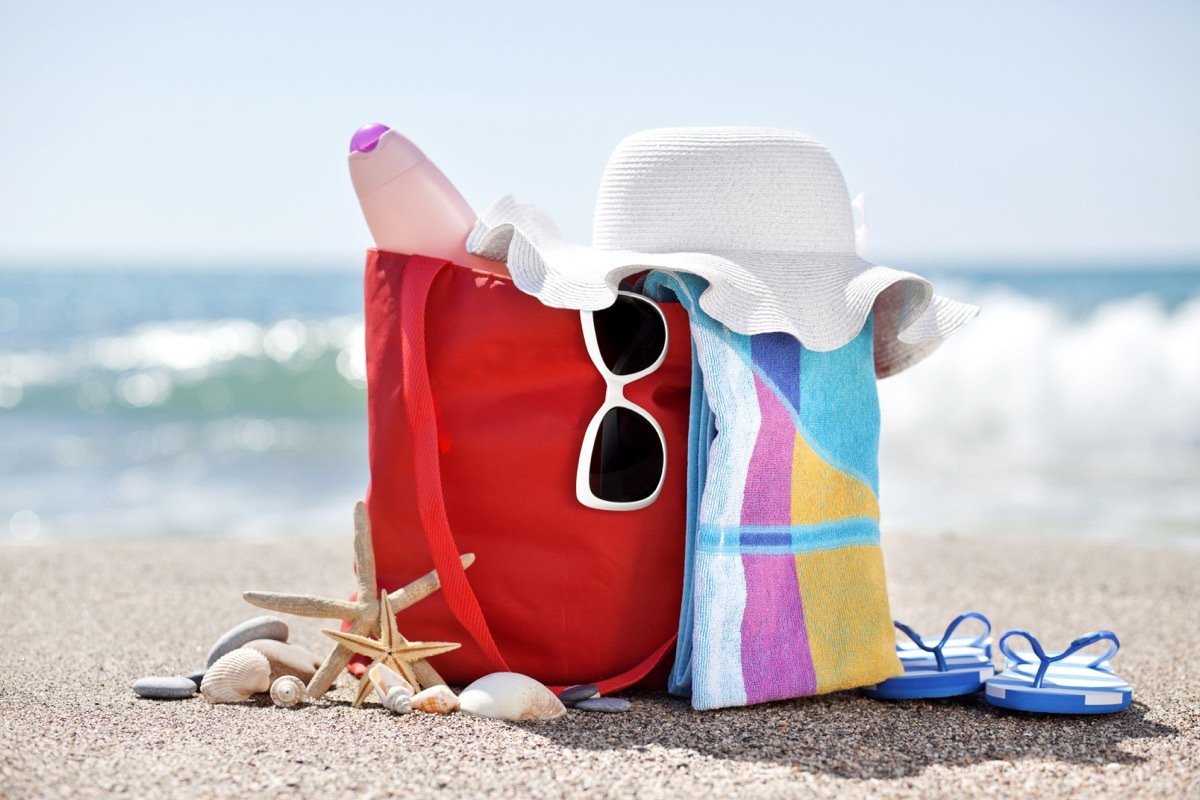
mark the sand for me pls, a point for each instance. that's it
(79, 622)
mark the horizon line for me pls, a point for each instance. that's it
(348, 261)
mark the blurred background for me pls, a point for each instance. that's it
(181, 250)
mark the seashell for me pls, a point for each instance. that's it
(398, 700)
(287, 659)
(435, 700)
(386, 681)
(510, 696)
(235, 676)
(288, 691)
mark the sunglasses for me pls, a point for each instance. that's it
(623, 460)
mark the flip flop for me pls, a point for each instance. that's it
(1059, 682)
(945, 667)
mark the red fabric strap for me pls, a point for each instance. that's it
(630, 676)
(418, 276)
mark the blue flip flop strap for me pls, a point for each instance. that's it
(1083, 641)
(950, 629)
(960, 619)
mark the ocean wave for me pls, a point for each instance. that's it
(206, 363)
(1035, 418)
(208, 426)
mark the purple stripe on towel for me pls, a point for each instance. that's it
(753, 538)
(776, 662)
(778, 355)
(768, 496)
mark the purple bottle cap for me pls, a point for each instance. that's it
(367, 137)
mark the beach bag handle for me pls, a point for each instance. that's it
(416, 281)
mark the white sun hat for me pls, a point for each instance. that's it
(762, 214)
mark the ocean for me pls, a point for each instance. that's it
(141, 403)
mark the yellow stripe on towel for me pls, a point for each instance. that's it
(850, 634)
(821, 493)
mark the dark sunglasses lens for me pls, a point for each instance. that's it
(631, 335)
(627, 458)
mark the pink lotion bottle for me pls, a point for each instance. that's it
(409, 205)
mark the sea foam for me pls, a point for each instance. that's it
(1033, 419)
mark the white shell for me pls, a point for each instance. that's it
(435, 700)
(288, 691)
(388, 682)
(510, 696)
(235, 676)
(398, 700)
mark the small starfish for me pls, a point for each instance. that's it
(363, 614)
(391, 649)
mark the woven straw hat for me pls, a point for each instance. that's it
(763, 215)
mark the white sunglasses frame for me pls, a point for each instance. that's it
(614, 397)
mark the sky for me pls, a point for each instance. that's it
(174, 134)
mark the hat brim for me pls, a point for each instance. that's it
(823, 299)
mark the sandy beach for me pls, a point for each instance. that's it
(79, 622)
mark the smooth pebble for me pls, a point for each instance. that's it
(610, 705)
(573, 694)
(196, 677)
(267, 627)
(165, 688)
(287, 659)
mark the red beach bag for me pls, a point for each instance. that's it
(478, 401)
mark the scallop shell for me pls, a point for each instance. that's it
(235, 676)
(288, 691)
(510, 696)
(398, 700)
(435, 700)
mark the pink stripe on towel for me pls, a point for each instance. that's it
(768, 496)
(776, 661)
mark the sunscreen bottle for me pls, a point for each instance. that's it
(409, 205)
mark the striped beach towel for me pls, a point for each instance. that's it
(784, 593)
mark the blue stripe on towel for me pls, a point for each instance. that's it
(779, 357)
(788, 539)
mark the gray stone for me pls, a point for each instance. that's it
(287, 659)
(573, 694)
(165, 688)
(196, 676)
(258, 628)
(609, 705)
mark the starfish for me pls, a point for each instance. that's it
(391, 649)
(363, 614)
